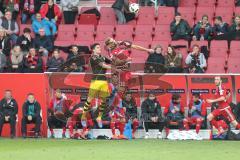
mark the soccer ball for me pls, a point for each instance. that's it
(134, 8)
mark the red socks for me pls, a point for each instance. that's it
(121, 127)
(112, 126)
(135, 126)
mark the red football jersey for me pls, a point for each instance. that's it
(121, 54)
(221, 91)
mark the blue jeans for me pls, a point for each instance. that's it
(25, 18)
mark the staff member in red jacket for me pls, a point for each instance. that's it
(51, 11)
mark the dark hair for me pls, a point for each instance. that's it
(173, 50)
(8, 90)
(27, 30)
(56, 50)
(177, 14)
(195, 45)
(93, 46)
(196, 95)
(175, 97)
(219, 18)
(30, 94)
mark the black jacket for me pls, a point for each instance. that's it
(151, 108)
(155, 63)
(5, 45)
(119, 4)
(53, 64)
(10, 109)
(44, 42)
(24, 43)
(37, 109)
(181, 29)
(131, 108)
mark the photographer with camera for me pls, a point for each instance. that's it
(196, 61)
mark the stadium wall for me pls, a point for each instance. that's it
(76, 86)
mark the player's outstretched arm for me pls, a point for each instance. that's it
(137, 47)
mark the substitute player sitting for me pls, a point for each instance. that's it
(197, 111)
(224, 109)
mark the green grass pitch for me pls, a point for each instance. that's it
(40, 149)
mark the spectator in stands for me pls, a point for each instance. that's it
(15, 61)
(51, 12)
(8, 112)
(234, 31)
(43, 43)
(32, 62)
(196, 113)
(73, 52)
(174, 112)
(155, 61)
(3, 61)
(49, 27)
(12, 6)
(74, 68)
(129, 104)
(55, 61)
(196, 61)
(173, 61)
(1, 14)
(237, 2)
(120, 6)
(202, 29)
(180, 28)
(152, 115)
(29, 8)
(31, 113)
(70, 10)
(1, 8)
(56, 113)
(219, 29)
(10, 26)
(5, 43)
(25, 40)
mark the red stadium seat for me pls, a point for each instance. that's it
(164, 44)
(187, 3)
(88, 19)
(200, 43)
(226, 3)
(206, 3)
(104, 31)
(105, 1)
(107, 16)
(83, 43)
(200, 11)
(66, 32)
(234, 49)
(226, 13)
(162, 33)
(237, 11)
(219, 49)
(180, 46)
(85, 33)
(216, 65)
(124, 32)
(234, 65)
(63, 43)
(165, 15)
(188, 14)
(146, 16)
(143, 33)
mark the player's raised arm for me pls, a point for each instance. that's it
(137, 47)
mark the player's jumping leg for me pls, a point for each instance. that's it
(135, 124)
(198, 124)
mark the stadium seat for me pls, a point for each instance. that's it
(218, 49)
(165, 15)
(83, 43)
(88, 19)
(162, 33)
(146, 16)
(234, 49)
(206, 3)
(83, 9)
(22, 26)
(63, 43)
(180, 46)
(226, 3)
(216, 65)
(164, 44)
(143, 33)
(124, 32)
(233, 65)
(187, 3)
(104, 31)
(85, 33)
(105, 1)
(200, 11)
(65, 35)
(226, 13)
(188, 14)
(107, 16)
(237, 11)
(200, 43)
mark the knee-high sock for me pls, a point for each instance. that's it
(113, 128)
(198, 126)
(214, 123)
(121, 127)
(64, 130)
(135, 126)
(185, 124)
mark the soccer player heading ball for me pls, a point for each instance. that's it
(224, 109)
